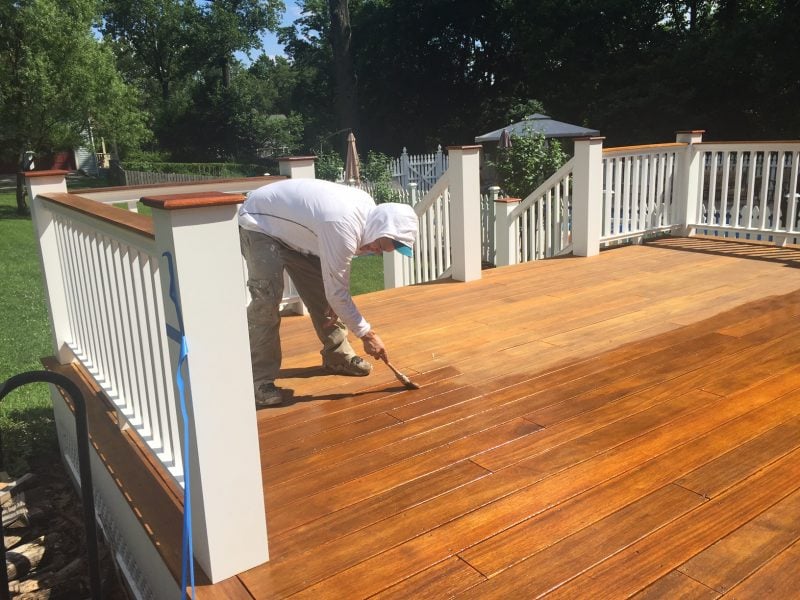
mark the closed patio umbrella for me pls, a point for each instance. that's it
(505, 140)
(351, 171)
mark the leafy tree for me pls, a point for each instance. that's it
(307, 44)
(151, 39)
(519, 110)
(344, 75)
(528, 162)
(243, 122)
(206, 105)
(225, 27)
(59, 81)
(428, 71)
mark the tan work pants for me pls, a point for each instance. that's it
(266, 259)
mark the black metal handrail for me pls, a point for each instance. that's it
(84, 468)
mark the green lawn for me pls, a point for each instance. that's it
(26, 416)
(26, 419)
(366, 274)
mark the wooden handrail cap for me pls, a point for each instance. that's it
(291, 158)
(195, 200)
(52, 173)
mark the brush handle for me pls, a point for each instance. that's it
(402, 378)
(397, 373)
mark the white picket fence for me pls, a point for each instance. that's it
(421, 169)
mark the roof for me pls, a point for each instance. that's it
(540, 123)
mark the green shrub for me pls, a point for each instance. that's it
(378, 172)
(145, 158)
(527, 163)
(209, 169)
(329, 166)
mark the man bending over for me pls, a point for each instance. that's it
(313, 229)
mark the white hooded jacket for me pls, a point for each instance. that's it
(331, 221)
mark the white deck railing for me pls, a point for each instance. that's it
(538, 226)
(638, 185)
(749, 190)
(128, 197)
(411, 196)
(740, 190)
(108, 275)
(112, 292)
(449, 225)
(433, 244)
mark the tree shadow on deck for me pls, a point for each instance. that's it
(788, 256)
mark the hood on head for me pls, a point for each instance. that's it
(393, 220)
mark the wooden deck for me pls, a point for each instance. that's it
(607, 427)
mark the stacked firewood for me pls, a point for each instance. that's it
(44, 538)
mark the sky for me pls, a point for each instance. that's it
(271, 46)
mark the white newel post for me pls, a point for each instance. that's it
(394, 262)
(413, 193)
(201, 234)
(587, 202)
(465, 212)
(297, 167)
(38, 183)
(393, 270)
(688, 185)
(506, 232)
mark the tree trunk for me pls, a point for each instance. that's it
(344, 74)
(22, 208)
(226, 72)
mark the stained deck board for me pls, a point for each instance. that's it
(612, 426)
(733, 558)
(676, 585)
(302, 507)
(491, 504)
(443, 580)
(779, 578)
(647, 560)
(585, 548)
(525, 539)
(376, 508)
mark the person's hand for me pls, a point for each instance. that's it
(331, 318)
(373, 345)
